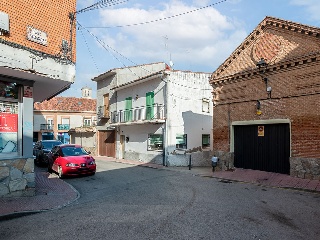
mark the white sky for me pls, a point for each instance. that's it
(198, 41)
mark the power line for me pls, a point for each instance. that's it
(94, 62)
(165, 18)
(101, 4)
(106, 46)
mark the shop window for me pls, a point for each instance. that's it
(181, 141)
(8, 127)
(8, 117)
(205, 140)
(155, 142)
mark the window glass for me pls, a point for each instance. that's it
(8, 90)
(155, 142)
(181, 141)
(128, 111)
(205, 140)
(149, 105)
(8, 117)
(87, 122)
(205, 105)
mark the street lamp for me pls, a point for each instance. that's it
(262, 67)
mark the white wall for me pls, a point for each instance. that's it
(184, 114)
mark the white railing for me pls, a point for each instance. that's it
(145, 113)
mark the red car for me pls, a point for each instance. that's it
(70, 159)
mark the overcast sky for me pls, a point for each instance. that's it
(194, 35)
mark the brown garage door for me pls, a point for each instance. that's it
(107, 143)
(262, 147)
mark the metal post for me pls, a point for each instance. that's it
(190, 162)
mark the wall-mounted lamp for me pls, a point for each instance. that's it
(258, 108)
(262, 66)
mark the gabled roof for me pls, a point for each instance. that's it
(67, 104)
(275, 40)
(114, 71)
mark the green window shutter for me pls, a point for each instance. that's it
(149, 105)
(128, 111)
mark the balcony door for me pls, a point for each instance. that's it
(149, 105)
(106, 105)
(128, 111)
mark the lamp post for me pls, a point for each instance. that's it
(262, 67)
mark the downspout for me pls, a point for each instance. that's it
(165, 128)
(71, 17)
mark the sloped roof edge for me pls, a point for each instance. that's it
(267, 21)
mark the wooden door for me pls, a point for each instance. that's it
(107, 143)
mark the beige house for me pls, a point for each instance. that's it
(68, 119)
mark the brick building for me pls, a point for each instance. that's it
(267, 116)
(37, 62)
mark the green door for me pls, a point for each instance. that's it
(149, 105)
(128, 111)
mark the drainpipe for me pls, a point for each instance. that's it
(165, 128)
(71, 17)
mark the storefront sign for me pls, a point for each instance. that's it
(8, 122)
(36, 35)
(260, 131)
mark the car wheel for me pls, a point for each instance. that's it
(60, 172)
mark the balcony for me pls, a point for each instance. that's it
(103, 112)
(139, 115)
(63, 126)
(46, 127)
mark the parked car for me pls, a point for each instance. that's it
(70, 159)
(41, 149)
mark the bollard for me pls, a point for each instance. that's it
(190, 162)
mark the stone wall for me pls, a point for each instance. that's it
(17, 177)
(305, 167)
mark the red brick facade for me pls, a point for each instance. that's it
(292, 53)
(53, 20)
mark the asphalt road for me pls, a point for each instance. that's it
(129, 202)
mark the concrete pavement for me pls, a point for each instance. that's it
(53, 193)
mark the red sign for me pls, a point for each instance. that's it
(8, 122)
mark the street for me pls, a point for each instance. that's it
(130, 202)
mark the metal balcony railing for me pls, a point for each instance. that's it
(46, 127)
(146, 113)
(103, 112)
(63, 126)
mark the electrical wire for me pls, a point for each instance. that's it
(94, 62)
(165, 18)
(106, 46)
(101, 4)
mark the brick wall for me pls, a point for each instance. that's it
(295, 96)
(49, 16)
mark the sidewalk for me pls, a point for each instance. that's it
(54, 193)
(51, 193)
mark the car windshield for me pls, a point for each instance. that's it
(73, 151)
(50, 145)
